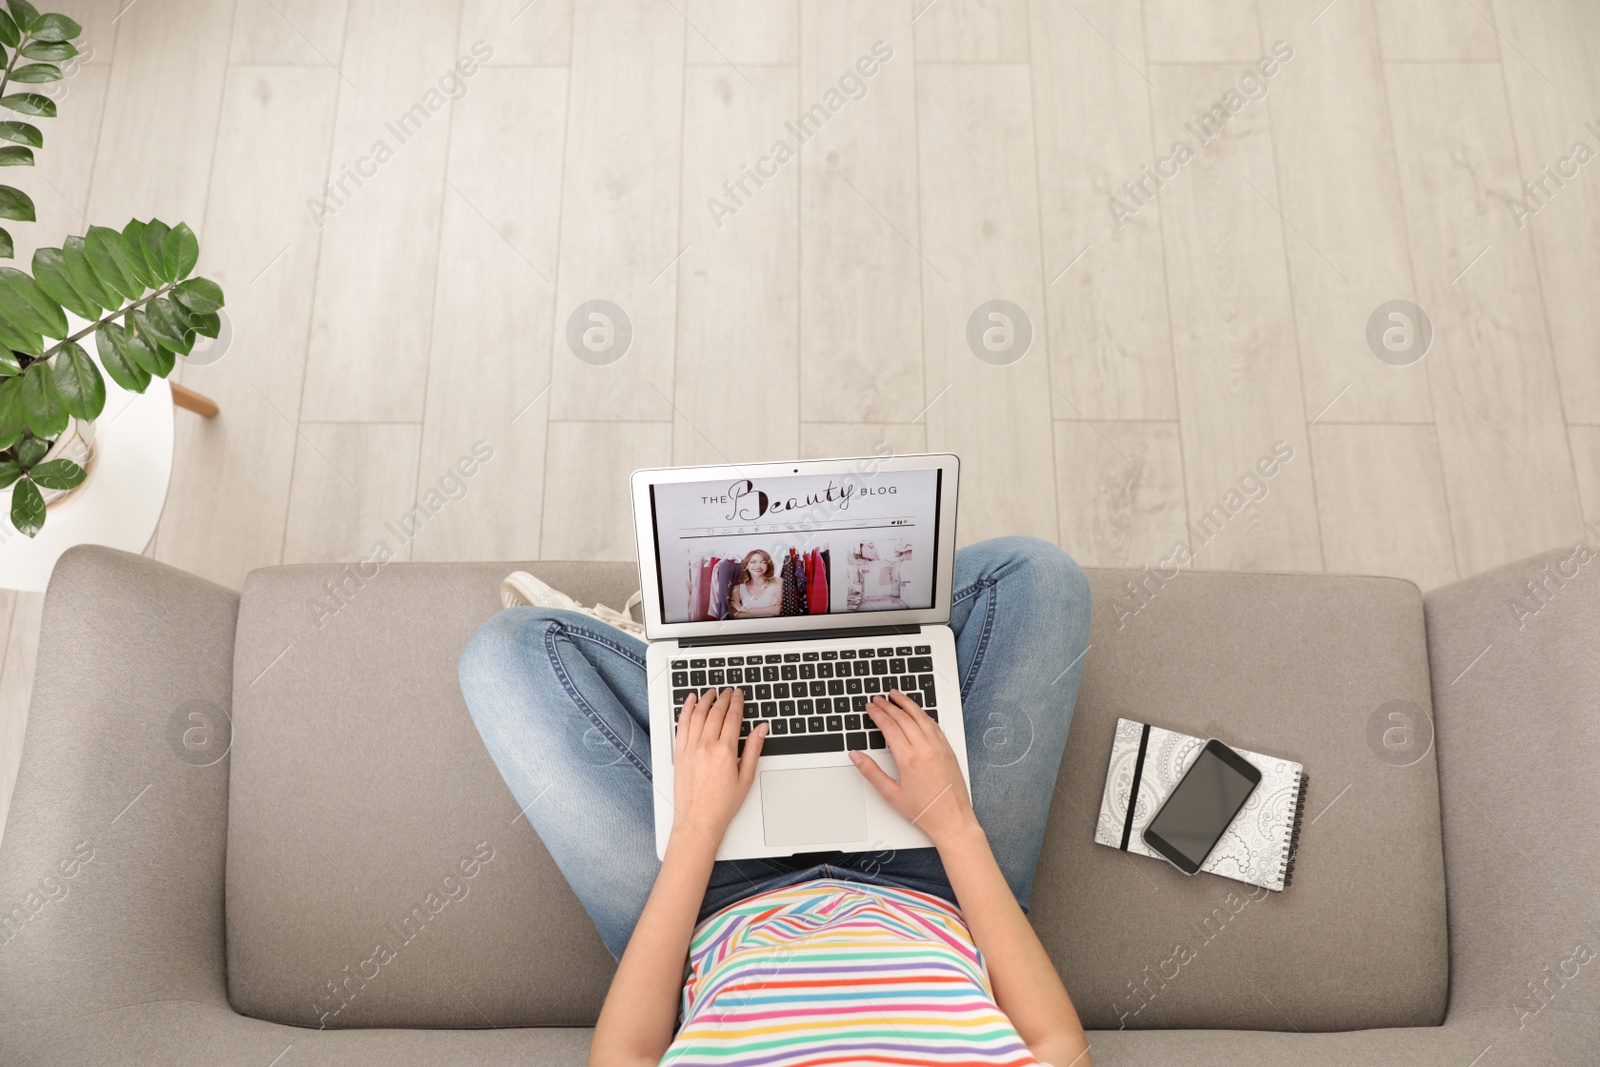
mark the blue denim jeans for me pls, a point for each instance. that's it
(560, 701)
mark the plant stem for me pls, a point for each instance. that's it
(93, 326)
(16, 54)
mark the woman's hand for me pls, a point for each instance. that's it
(710, 778)
(930, 791)
(710, 781)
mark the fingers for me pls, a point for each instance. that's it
(898, 709)
(697, 718)
(752, 752)
(731, 701)
(712, 710)
(688, 722)
(886, 786)
(914, 712)
(891, 721)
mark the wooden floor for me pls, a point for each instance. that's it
(403, 247)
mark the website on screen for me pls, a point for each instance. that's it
(795, 545)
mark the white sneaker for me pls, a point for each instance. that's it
(521, 588)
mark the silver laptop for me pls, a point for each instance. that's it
(812, 586)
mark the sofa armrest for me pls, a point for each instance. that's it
(1516, 684)
(111, 869)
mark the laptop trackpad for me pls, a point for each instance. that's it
(813, 806)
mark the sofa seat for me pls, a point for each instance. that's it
(232, 894)
(359, 785)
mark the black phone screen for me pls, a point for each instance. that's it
(1203, 804)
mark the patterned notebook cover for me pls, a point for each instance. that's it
(1258, 848)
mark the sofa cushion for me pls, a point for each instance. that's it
(1297, 666)
(365, 811)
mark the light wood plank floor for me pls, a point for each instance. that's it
(798, 205)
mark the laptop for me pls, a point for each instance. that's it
(812, 586)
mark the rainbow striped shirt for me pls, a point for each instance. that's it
(835, 972)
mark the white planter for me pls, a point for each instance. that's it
(118, 505)
(75, 443)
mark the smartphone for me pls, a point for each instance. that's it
(1201, 807)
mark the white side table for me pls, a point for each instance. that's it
(120, 502)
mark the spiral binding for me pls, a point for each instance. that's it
(1294, 833)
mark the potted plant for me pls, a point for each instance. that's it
(134, 290)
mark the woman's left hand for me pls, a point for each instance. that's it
(710, 777)
(710, 781)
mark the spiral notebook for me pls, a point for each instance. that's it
(1258, 847)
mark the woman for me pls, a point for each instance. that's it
(918, 956)
(758, 593)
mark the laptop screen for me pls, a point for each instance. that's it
(793, 545)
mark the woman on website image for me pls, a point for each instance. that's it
(758, 593)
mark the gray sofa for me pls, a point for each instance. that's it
(228, 802)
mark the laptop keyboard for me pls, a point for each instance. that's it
(812, 701)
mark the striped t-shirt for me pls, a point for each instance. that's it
(834, 972)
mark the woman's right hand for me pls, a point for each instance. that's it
(710, 777)
(930, 792)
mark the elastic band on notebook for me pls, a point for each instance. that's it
(1133, 790)
(1294, 832)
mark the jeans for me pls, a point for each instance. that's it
(560, 701)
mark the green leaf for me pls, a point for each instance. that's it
(9, 472)
(166, 320)
(24, 12)
(164, 362)
(200, 295)
(30, 104)
(54, 28)
(27, 508)
(10, 36)
(58, 474)
(7, 250)
(125, 373)
(133, 248)
(185, 316)
(15, 204)
(136, 350)
(21, 132)
(138, 324)
(30, 450)
(155, 239)
(11, 417)
(206, 325)
(160, 360)
(54, 51)
(50, 271)
(35, 73)
(78, 381)
(81, 274)
(109, 259)
(10, 365)
(155, 331)
(179, 252)
(24, 303)
(41, 404)
(16, 156)
(18, 339)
